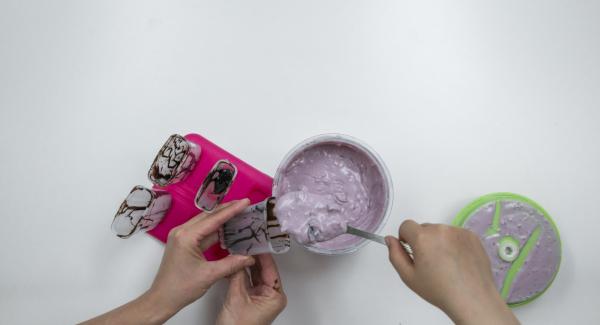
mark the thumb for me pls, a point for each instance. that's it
(239, 283)
(399, 258)
(229, 265)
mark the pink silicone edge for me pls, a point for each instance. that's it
(249, 183)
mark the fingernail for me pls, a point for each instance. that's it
(387, 241)
(277, 285)
(249, 260)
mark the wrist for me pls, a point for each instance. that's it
(155, 308)
(226, 317)
(485, 308)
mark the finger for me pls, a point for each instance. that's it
(194, 219)
(408, 231)
(229, 265)
(208, 241)
(211, 222)
(265, 272)
(203, 215)
(216, 210)
(239, 282)
(399, 258)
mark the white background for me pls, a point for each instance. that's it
(460, 98)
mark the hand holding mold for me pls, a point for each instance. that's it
(184, 274)
(256, 299)
(451, 270)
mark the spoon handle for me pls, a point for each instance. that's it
(378, 239)
(365, 234)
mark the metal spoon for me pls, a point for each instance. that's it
(378, 239)
(313, 232)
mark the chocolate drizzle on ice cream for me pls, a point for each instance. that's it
(174, 161)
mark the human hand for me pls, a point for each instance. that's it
(184, 274)
(450, 270)
(255, 302)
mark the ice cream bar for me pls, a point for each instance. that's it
(255, 231)
(142, 209)
(174, 161)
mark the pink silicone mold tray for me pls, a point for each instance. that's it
(249, 183)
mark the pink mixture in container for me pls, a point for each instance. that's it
(327, 183)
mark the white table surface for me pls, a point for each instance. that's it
(460, 98)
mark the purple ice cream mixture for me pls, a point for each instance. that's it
(519, 220)
(326, 187)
